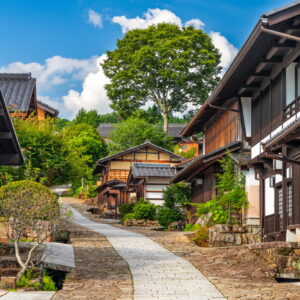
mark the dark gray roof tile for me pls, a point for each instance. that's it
(17, 90)
(152, 170)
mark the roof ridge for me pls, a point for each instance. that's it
(16, 76)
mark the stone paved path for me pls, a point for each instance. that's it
(157, 273)
(28, 296)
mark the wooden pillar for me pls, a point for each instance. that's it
(262, 205)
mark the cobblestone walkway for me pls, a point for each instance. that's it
(157, 273)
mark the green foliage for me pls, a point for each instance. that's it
(93, 119)
(191, 227)
(126, 208)
(30, 279)
(186, 154)
(165, 64)
(144, 210)
(201, 236)
(133, 132)
(41, 144)
(61, 123)
(48, 283)
(28, 202)
(129, 216)
(178, 194)
(231, 196)
(86, 141)
(166, 216)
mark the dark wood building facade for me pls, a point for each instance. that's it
(262, 88)
(114, 189)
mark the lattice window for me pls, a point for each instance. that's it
(280, 207)
(289, 192)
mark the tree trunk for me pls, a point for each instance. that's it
(166, 122)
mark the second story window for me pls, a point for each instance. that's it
(292, 83)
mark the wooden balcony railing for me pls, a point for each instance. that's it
(118, 174)
(291, 109)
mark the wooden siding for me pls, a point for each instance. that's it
(267, 110)
(224, 130)
(119, 168)
(205, 192)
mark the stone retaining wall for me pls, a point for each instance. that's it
(233, 235)
(141, 223)
(284, 255)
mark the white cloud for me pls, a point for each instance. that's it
(227, 50)
(55, 71)
(155, 16)
(151, 17)
(93, 94)
(58, 71)
(95, 18)
(197, 23)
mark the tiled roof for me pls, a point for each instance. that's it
(174, 129)
(52, 110)
(10, 151)
(17, 89)
(146, 143)
(152, 170)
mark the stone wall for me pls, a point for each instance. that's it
(233, 235)
(283, 255)
(141, 223)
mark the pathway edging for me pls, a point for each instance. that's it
(157, 273)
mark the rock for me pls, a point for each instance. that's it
(239, 229)
(8, 282)
(221, 228)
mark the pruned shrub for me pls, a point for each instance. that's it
(144, 210)
(166, 216)
(129, 216)
(126, 208)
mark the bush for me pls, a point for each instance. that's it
(126, 208)
(31, 279)
(177, 194)
(129, 216)
(167, 215)
(48, 283)
(144, 210)
(191, 227)
(201, 236)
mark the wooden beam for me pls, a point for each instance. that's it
(258, 76)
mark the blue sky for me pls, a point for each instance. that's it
(61, 41)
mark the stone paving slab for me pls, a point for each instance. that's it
(158, 274)
(28, 296)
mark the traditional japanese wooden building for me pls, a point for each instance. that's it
(257, 105)
(114, 171)
(19, 92)
(10, 151)
(150, 180)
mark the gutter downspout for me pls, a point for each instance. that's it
(280, 34)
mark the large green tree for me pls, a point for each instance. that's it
(133, 132)
(93, 118)
(86, 141)
(165, 64)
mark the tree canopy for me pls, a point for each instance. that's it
(165, 64)
(133, 132)
(30, 208)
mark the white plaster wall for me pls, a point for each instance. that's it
(269, 198)
(252, 215)
(246, 105)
